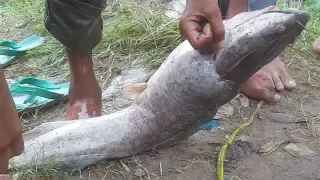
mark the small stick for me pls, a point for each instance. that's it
(160, 169)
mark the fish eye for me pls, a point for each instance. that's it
(280, 28)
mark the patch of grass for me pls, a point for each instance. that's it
(303, 48)
(134, 30)
(129, 30)
(304, 56)
(312, 30)
(50, 58)
(51, 171)
(31, 11)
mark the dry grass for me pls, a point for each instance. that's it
(303, 48)
(134, 30)
(301, 54)
(50, 171)
(129, 30)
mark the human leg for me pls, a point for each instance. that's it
(11, 142)
(77, 24)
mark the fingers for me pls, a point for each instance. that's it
(189, 28)
(17, 146)
(202, 39)
(199, 37)
(207, 38)
(217, 28)
(203, 26)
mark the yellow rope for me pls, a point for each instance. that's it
(220, 167)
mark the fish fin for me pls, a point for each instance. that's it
(134, 90)
(44, 128)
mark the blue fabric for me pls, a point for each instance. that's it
(260, 4)
(210, 125)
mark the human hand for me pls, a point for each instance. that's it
(202, 25)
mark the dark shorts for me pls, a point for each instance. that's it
(77, 24)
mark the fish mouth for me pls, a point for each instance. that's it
(242, 68)
(302, 17)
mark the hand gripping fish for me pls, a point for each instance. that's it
(183, 94)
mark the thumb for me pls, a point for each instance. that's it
(217, 28)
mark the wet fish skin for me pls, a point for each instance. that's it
(184, 93)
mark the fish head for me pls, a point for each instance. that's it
(254, 39)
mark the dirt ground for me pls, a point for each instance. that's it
(291, 122)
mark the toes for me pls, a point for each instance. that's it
(279, 72)
(277, 82)
(287, 81)
(255, 88)
(269, 96)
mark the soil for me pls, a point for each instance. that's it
(195, 159)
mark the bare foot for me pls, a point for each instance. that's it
(85, 94)
(316, 46)
(80, 107)
(269, 80)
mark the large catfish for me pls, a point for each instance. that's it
(184, 93)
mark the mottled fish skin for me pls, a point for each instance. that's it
(184, 93)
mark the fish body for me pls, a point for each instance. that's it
(183, 94)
